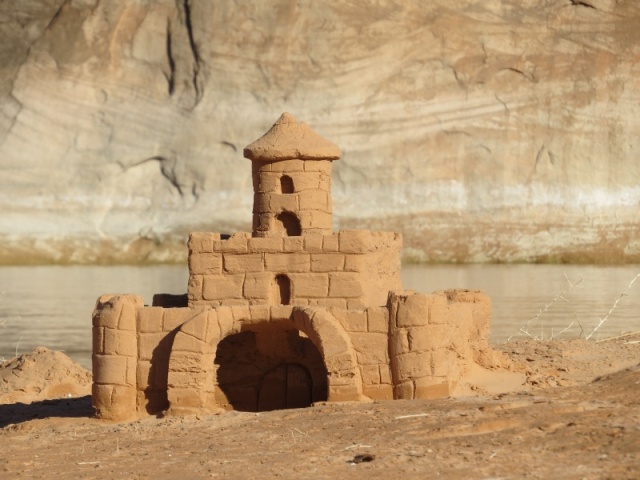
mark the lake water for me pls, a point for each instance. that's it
(52, 305)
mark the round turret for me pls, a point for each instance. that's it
(291, 180)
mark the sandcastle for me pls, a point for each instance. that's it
(287, 315)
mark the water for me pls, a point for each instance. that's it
(550, 297)
(52, 305)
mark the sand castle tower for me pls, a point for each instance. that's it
(291, 180)
(292, 256)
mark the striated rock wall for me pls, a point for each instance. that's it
(483, 131)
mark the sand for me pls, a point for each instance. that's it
(557, 409)
(42, 375)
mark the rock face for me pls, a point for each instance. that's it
(485, 131)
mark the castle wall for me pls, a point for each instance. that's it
(381, 264)
(156, 329)
(131, 348)
(133, 376)
(368, 331)
(147, 359)
(349, 269)
(194, 378)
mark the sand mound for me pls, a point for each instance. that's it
(564, 363)
(42, 375)
(527, 365)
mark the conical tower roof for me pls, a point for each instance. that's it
(290, 139)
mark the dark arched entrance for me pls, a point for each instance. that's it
(317, 335)
(269, 368)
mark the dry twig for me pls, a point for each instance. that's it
(616, 337)
(613, 307)
(524, 330)
(413, 415)
(358, 445)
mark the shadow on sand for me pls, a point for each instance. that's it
(15, 413)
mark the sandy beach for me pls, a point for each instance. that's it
(556, 409)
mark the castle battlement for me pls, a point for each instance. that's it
(349, 269)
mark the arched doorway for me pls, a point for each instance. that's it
(288, 222)
(197, 383)
(269, 368)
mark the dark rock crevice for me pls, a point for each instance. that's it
(504, 104)
(167, 169)
(56, 16)
(171, 75)
(581, 3)
(196, 65)
(529, 76)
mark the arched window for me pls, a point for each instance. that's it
(289, 223)
(281, 293)
(286, 184)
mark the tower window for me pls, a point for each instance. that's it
(282, 290)
(288, 222)
(286, 184)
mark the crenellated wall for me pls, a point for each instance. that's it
(350, 269)
(195, 359)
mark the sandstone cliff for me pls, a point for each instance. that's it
(484, 131)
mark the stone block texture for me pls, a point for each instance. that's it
(322, 270)
(434, 339)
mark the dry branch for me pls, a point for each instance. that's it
(613, 307)
(524, 330)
